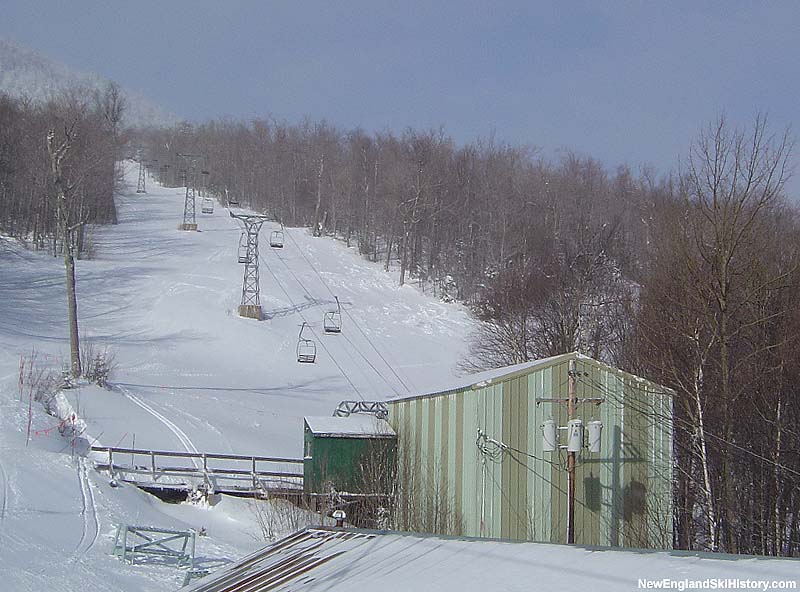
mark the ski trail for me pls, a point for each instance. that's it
(202, 422)
(382, 356)
(90, 530)
(4, 478)
(179, 433)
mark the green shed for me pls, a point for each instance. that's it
(473, 460)
(355, 454)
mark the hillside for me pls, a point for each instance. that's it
(191, 375)
(25, 73)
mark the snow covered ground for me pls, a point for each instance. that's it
(191, 375)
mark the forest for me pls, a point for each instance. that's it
(89, 126)
(687, 278)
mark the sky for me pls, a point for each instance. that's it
(623, 82)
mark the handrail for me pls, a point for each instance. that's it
(200, 455)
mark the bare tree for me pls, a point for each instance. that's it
(58, 150)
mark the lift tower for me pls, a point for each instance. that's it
(251, 302)
(189, 218)
(140, 184)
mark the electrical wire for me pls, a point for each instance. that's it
(689, 424)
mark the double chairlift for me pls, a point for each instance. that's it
(276, 238)
(275, 241)
(332, 320)
(306, 348)
(233, 202)
(331, 323)
(242, 251)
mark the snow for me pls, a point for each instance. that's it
(354, 425)
(191, 375)
(391, 562)
(481, 379)
(27, 74)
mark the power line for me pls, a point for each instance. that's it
(687, 423)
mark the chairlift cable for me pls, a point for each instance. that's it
(350, 316)
(314, 333)
(311, 297)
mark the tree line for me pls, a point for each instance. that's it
(91, 121)
(687, 279)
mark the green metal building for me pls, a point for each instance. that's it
(354, 454)
(503, 485)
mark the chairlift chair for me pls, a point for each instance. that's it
(208, 206)
(243, 255)
(232, 201)
(332, 321)
(276, 239)
(306, 348)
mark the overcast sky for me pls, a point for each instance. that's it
(625, 82)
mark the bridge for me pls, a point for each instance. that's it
(212, 473)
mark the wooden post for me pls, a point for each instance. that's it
(153, 464)
(255, 479)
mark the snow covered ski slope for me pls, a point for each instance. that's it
(194, 376)
(191, 375)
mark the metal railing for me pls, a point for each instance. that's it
(176, 546)
(217, 472)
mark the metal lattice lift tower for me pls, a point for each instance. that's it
(190, 177)
(140, 184)
(251, 301)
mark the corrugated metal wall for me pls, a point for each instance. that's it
(622, 494)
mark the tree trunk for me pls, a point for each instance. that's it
(317, 231)
(72, 304)
(57, 155)
(404, 255)
(700, 434)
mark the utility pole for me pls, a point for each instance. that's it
(571, 459)
(575, 438)
(189, 217)
(250, 306)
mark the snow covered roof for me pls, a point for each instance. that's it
(487, 377)
(336, 560)
(353, 426)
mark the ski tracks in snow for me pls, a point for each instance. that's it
(91, 524)
(4, 503)
(185, 441)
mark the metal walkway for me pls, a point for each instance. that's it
(213, 473)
